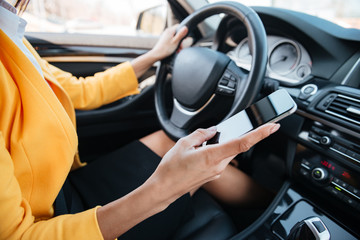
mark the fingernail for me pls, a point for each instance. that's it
(275, 128)
(212, 129)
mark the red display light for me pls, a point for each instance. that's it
(346, 175)
(328, 165)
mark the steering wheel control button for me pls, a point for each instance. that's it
(227, 75)
(232, 84)
(224, 90)
(224, 82)
(227, 84)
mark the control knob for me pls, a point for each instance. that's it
(325, 140)
(320, 175)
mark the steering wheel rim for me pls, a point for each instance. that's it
(258, 47)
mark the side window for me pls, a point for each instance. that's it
(109, 17)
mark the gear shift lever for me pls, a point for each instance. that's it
(309, 229)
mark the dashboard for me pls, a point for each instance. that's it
(318, 63)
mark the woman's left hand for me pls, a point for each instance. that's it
(169, 41)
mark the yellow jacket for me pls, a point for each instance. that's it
(38, 141)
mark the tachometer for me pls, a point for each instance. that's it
(284, 57)
(244, 51)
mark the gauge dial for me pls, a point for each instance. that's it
(303, 71)
(284, 58)
(244, 53)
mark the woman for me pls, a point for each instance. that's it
(38, 143)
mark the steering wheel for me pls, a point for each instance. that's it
(206, 84)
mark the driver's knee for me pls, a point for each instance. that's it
(158, 142)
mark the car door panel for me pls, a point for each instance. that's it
(108, 127)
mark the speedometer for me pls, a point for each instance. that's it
(284, 57)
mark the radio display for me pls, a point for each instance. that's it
(338, 171)
(335, 169)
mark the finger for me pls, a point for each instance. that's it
(180, 34)
(199, 136)
(187, 42)
(242, 144)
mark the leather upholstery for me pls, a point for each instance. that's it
(209, 222)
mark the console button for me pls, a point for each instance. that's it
(344, 184)
(353, 190)
(340, 182)
(325, 140)
(350, 201)
(316, 130)
(304, 172)
(352, 154)
(339, 148)
(335, 192)
(305, 162)
(314, 136)
(356, 192)
(357, 156)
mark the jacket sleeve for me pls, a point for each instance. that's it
(17, 221)
(102, 88)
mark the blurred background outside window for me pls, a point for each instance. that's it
(109, 17)
(120, 17)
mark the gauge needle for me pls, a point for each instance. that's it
(282, 59)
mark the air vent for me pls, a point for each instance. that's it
(341, 106)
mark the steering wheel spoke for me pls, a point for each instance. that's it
(180, 116)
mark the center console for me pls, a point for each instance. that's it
(324, 183)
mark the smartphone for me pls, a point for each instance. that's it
(272, 108)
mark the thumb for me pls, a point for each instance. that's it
(199, 136)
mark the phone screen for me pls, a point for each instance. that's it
(269, 109)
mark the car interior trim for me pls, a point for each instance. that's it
(328, 123)
(348, 75)
(344, 154)
(81, 39)
(345, 190)
(264, 217)
(191, 113)
(343, 117)
(87, 59)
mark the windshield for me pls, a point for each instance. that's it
(345, 13)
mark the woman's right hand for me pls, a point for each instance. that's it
(188, 165)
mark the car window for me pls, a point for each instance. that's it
(109, 17)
